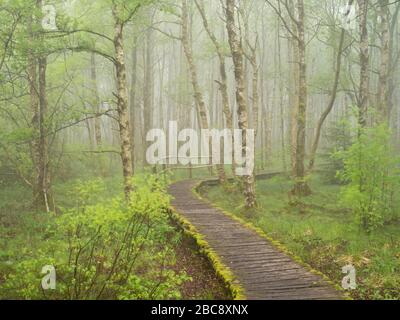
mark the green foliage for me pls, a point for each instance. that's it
(372, 177)
(339, 139)
(112, 250)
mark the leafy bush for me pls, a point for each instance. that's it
(111, 250)
(372, 176)
(339, 139)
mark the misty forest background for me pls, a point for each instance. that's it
(317, 81)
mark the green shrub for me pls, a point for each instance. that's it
(111, 250)
(372, 176)
(339, 139)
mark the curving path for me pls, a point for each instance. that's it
(263, 271)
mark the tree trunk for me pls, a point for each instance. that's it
(148, 89)
(43, 165)
(132, 104)
(35, 120)
(223, 84)
(237, 56)
(198, 96)
(122, 103)
(293, 53)
(255, 95)
(301, 187)
(392, 63)
(97, 120)
(330, 105)
(38, 102)
(383, 87)
(281, 105)
(364, 63)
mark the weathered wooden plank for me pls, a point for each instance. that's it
(264, 272)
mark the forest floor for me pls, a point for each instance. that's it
(324, 234)
(20, 232)
(205, 284)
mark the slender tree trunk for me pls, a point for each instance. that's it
(223, 84)
(237, 56)
(38, 196)
(331, 104)
(148, 88)
(363, 99)
(383, 87)
(281, 106)
(37, 65)
(301, 187)
(97, 120)
(392, 63)
(122, 96)
(294, 59)
(89, 131)
(44, 174)
(255, 95)
(198, 96)
(161, 92)
(255, 80)
(132, 101)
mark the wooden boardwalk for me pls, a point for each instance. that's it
(262, 270)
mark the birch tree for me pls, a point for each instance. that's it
(238, 61)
